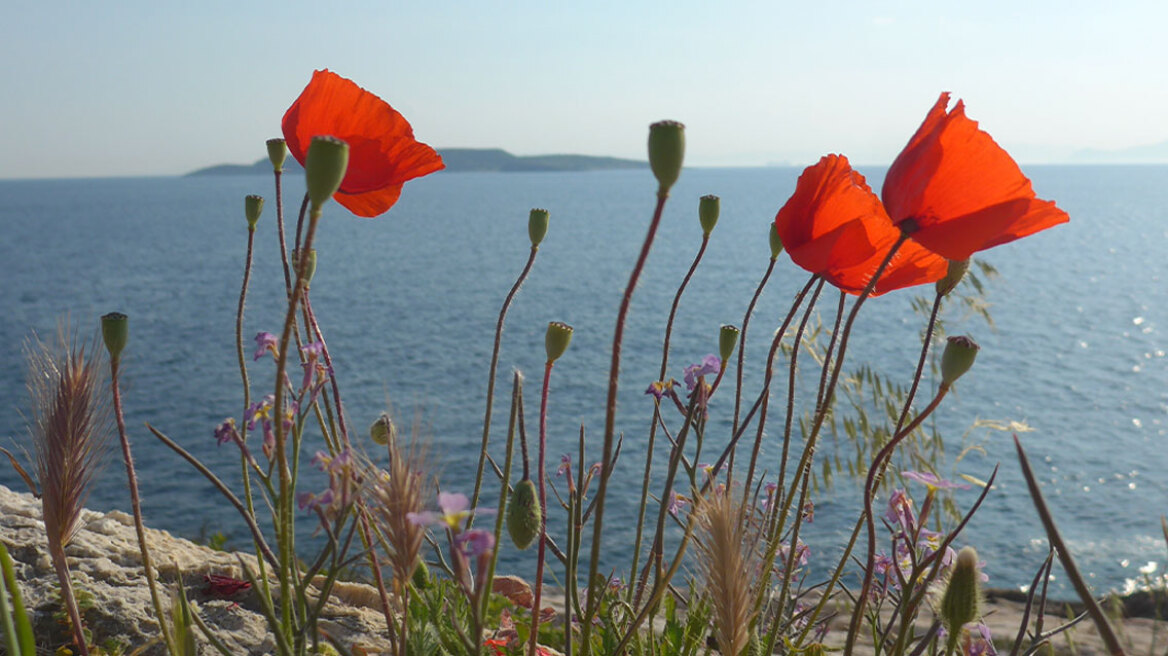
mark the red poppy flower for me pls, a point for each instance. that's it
(383, 154)
(833, 225)
(963, 191)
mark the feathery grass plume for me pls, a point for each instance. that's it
(728, 563)
(70, 426)
(394, 494)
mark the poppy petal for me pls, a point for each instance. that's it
(834, 226)
(370, 203)
(383, 153)
(963, 191)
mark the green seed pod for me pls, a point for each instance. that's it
(277, 152)
(324, 168)
(115, 332)
(421, 576)
(537, 225)
(253, 206)
(557, 339)
(959, 606)
(666, 153)
(708, 210)
(311, 270)
(524, 514)
(383, 431)
(958, 357)
(957, 269)
(727, 340)
(776, 242)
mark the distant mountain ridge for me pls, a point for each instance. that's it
(464, 159)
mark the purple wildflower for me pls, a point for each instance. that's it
(260, 410)
(565, 465)
(312, 355)
(934, 482)
(226, 432)
(476, 542)
(310, 501)
(710, 365)
(676, 504)
(455, 508)
(661, 388)
(900, 511)
(266, 342)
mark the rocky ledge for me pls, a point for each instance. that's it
(106, 564)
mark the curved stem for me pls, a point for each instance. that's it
(916, 380)
(136, 506)
(742, 342)
(610, 420)
(657, 406)
(280, 233)
(474, 500)
(542, 474)
(328, 361)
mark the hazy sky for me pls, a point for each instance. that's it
(158, 87)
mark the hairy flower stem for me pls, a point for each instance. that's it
(742, 348)
(328, 361)
(285, 504)
(542, 474)
(474, 500)
(136, 506)
(243, 458)
(762, 413)
(610, 423)
(516, 413)
(657, 407)
(280, 233)
(916, 379)
(68, 599)
(874, 469)
(1110, 640)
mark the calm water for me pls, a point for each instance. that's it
(408, 303)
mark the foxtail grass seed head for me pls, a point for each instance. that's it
(959, 355)
(956, 272)
(727, 340)
(537, 225)
(383, 431)
(310, 271)
(115, 332)
(277, 153)
(557, 339)
(776, 242)
(524, 515)
(253, 206)
(666, 152)
(708, 210)
(324, 168)
(962, 597)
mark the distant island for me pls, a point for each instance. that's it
(464, 159)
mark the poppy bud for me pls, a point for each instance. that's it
(956, 272)
(324, 168)
(383, 431)
(727, 340)
(776, 242)
(708, 208)
(959, 606)
(537, 225)
(253, 206)
(421, 576)
(115, 331)
(524, 515)
(557, 339)
(277, 152)
(957, 359)
(666, 152)
(310, 270)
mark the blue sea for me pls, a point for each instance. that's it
(408, 304)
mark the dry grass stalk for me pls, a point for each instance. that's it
(399, 490)
(728, 564)
(70, 427)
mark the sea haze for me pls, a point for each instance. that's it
(408, 303)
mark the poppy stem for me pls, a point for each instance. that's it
(657, 407)
(542, 555)
(494, 368)
(610, 420)
(136, 505)
(742, 342)
(280, 232)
